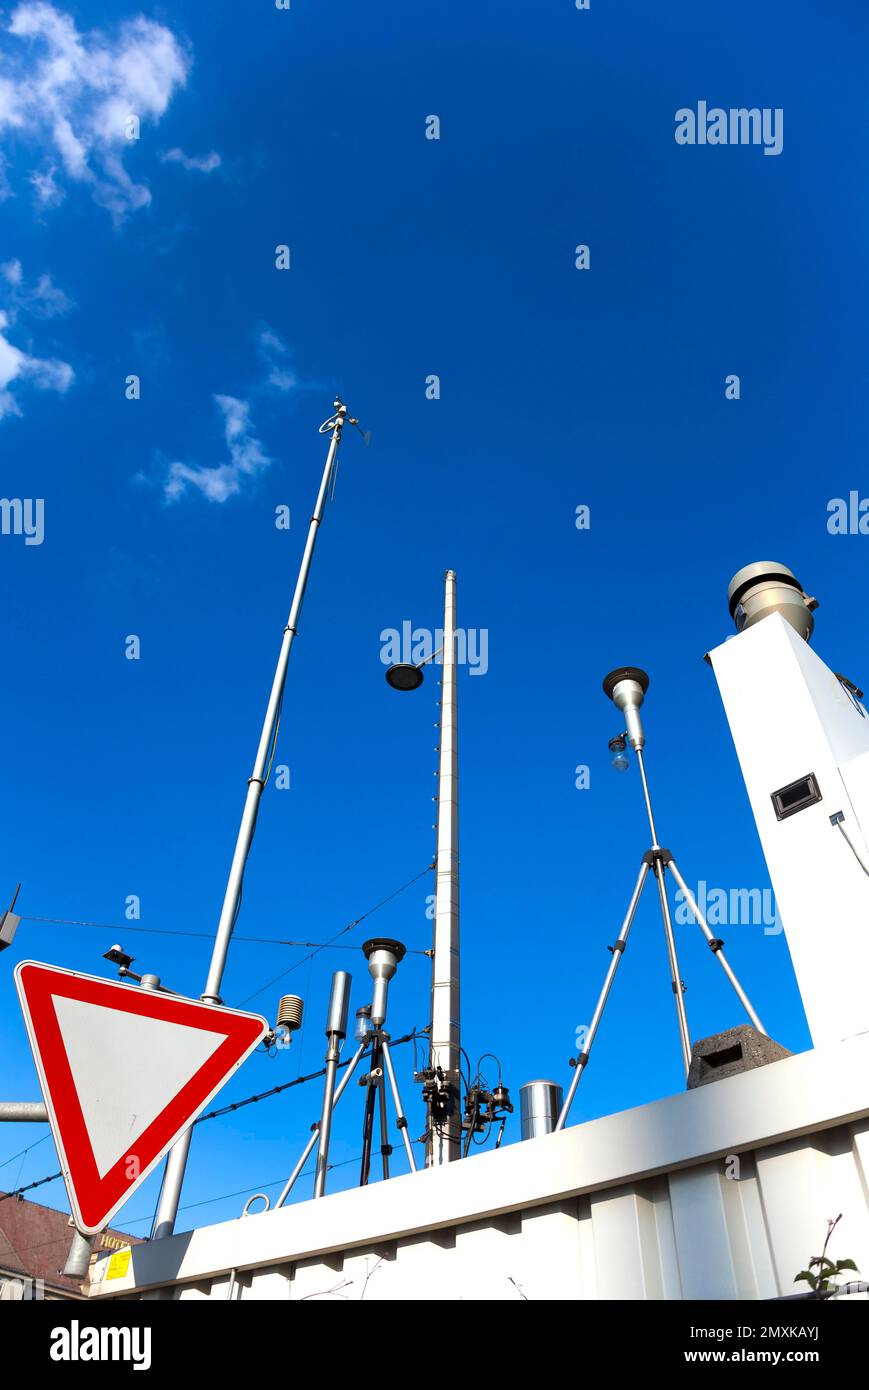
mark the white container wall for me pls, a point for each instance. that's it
(719, 1193)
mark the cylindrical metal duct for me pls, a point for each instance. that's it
(767, 587)
(339, 1002)
(79, 1257)
(540, 1105)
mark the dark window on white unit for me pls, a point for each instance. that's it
(796, 796)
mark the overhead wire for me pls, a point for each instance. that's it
(21, 1152)
(275, 1090)
(216, 1114)
(204, 935)
(257, 940)
(343, 932)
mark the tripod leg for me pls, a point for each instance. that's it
(401, 1119)
(716, 945)
(676, 978)
(368, 1116)
(385, 1146)
(324, 1130)
(312, 1142)
(617, 952)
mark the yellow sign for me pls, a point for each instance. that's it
(119, 1264)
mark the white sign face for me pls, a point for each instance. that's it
(123, 1073)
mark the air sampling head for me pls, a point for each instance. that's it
(766, 587)
(626, 686)
(383, 955)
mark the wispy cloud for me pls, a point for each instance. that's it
(44, 184)
(224, 480)
(17, 366)
(193, 163)
(276, 355)
(41, 298)
(81, 96)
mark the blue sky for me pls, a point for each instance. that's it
(410, 257)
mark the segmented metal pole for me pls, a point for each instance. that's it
(173, 1177)
(444, 1141)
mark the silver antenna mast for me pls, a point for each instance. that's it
(173, 1177)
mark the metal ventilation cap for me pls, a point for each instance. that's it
(767, 587)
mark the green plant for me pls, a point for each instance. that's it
(822, 1273)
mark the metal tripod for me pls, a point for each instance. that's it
(658, 860)
(317, 1129)
(383, 955)
(375, 1096)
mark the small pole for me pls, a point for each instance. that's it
(173, 1175)
(336, 1032)
(23, 1111)
(312, 1142)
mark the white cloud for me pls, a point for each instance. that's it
(224, 480)
(45, 186)
(198, 163)
(42, 299)
(78, 92)
(275, 353)
(47, 300)
(47, 374)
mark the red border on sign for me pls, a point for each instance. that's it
(98, 1197)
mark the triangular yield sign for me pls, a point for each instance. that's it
(123, 1072)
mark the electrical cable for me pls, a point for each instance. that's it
(224, 1110)
(206, 936)
(209, 936)
(349, 927)
(854, 850)
(21, 1152)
